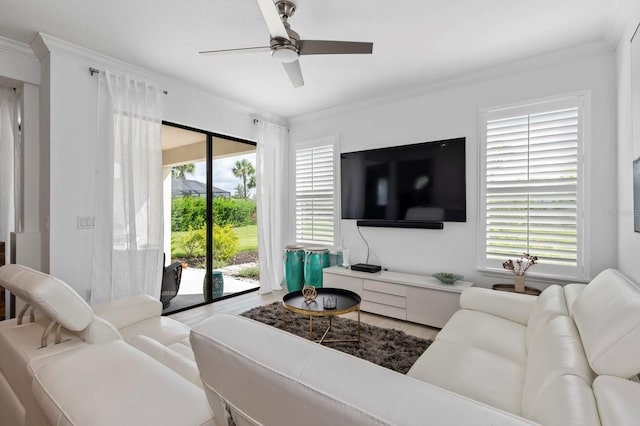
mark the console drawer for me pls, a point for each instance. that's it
(384, 299)
(383, 287)
(386, 310)
(339, 281)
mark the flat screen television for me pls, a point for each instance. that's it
(407, 186)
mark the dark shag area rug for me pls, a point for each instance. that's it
(387, 347)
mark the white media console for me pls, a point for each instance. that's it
(410, 297)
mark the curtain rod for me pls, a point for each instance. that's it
(93, 71)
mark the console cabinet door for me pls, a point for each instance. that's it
(431, 307)
(340, 281)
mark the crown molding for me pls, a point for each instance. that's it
(39, 47)
(472, 77)
(17, 49)
(43, 44)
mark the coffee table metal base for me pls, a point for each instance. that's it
(323, 339)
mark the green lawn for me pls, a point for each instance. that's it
(247, 236)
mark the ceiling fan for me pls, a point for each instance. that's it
(286, 45)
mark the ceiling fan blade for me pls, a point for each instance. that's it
(294, 72)
(272, 18)
(327, 47)
(240, 50)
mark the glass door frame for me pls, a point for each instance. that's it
(209, 209)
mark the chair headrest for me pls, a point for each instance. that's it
(55, 298)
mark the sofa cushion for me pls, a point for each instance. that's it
(182, 365)
(555, 351)
(487, 332)
(54, 297)
(607, 313)
(472, 372)
(566, 401)
(550, 304)
(617, 400)
(183, 347)
(165, 330)
(116, 384)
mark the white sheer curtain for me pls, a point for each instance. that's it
(8, 152)
(272, 188)
(128, 245)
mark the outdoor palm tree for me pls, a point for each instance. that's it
(245, 171)
(179, 171)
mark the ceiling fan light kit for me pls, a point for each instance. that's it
(286, 46)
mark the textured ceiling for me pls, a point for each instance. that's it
(415, 41)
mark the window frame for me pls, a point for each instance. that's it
(332, 140)
(582, 100)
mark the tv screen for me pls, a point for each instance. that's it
(417, 182)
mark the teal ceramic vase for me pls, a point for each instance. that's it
(217, 284)
(216, 289)
(316, 259)
(293, 258)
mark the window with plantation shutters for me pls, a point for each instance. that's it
(532, 165)
(315, 189)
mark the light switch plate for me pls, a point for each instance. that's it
(86, 222)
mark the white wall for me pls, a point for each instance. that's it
(70, 123)
(453, 112)
(628, 150)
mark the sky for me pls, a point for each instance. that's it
(222, 176)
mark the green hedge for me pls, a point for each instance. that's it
(189, 212)
(232, 211)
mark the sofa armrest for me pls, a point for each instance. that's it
(512, 306)
(125, 312)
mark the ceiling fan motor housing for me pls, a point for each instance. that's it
(286, 50)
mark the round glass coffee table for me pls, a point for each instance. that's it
(345, 301)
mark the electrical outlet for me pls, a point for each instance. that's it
(86, 222)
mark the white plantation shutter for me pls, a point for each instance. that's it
(532, 180)
(315, 195)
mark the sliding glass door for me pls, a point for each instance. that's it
(211, 246)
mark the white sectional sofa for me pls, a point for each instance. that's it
(568, 357)
(119, 363)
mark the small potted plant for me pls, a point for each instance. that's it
(520, 267)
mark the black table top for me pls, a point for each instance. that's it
(347, 301)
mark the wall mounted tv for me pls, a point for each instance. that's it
(410, 186)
